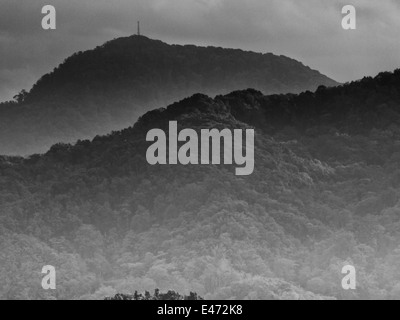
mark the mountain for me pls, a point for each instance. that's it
(105, 89)
(324, 194)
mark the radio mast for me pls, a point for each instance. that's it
(138, 28)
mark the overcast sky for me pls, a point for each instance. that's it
(307, 30)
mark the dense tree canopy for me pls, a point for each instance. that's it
(107, 88)
(324, 194)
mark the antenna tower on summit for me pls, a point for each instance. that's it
(138, 28)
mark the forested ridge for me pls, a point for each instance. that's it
(109, 87)
(324, 194)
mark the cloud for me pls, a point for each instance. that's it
(307, 30)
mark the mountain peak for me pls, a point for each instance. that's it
(109, 87)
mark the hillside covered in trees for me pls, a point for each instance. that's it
(107, 88)
(324, 194)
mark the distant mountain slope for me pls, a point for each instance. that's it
(325, 193)
(105, 89)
